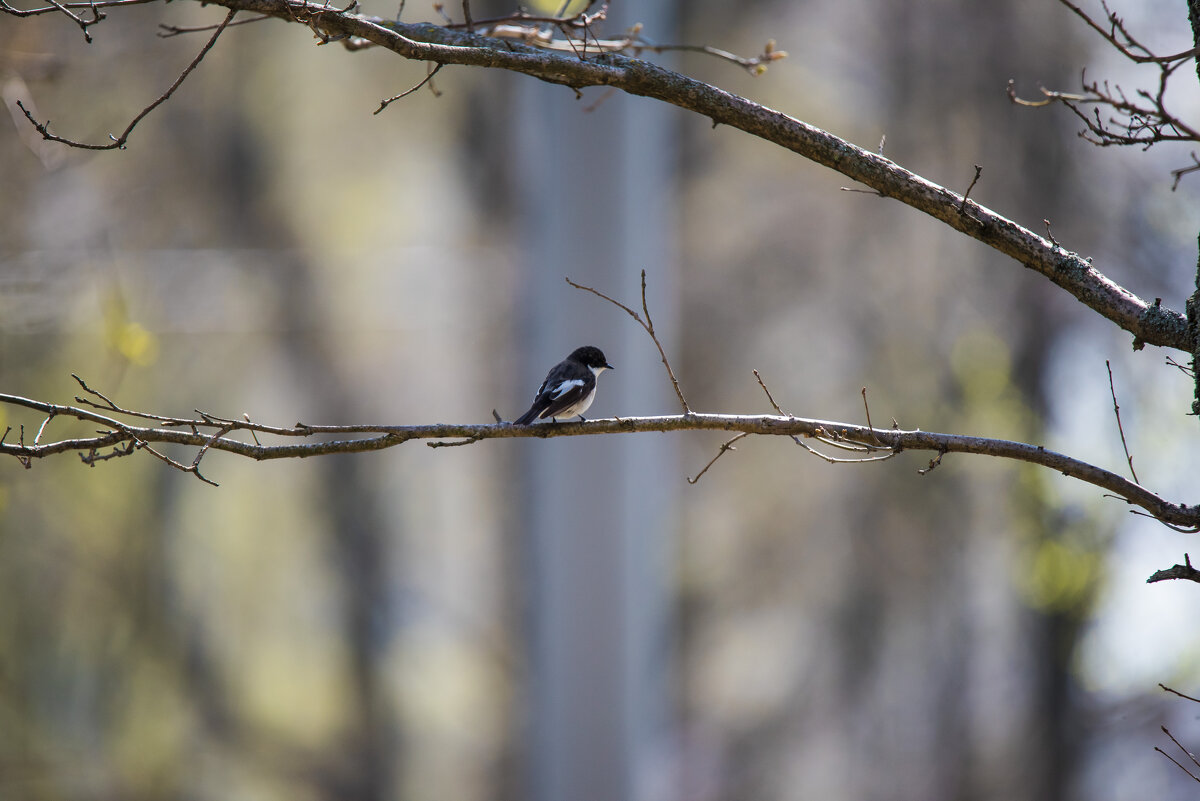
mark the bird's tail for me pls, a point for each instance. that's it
(528, 417)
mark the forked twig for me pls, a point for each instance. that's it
(118, 142)
(648, 325)
(1120, 428)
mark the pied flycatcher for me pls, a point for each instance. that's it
(569, 388)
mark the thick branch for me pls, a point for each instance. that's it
(212, 433)
(1149, 323)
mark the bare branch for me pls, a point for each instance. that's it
(1155, 326)
(363, 438)
(1125, 44)
(443, 45)
(6, 8)
(1143, 120)
(118, 142)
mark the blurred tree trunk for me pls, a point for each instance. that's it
(593, 184)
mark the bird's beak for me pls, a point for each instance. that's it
(608, 366)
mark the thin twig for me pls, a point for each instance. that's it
(195, 468)
(169, 31)
(963, 207)
(933, 464)
(648, 325)
(428, 79)
(118, 142)
(80, 4)
(1179, 745)
(836, 460)
(457, 443)
(1120, 428)
(253, 435)
(1176, 692)
(867, 406)
(1181, 767)
(727, 446)
(42, 427)
(770, 397)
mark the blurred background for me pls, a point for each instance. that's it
(573, 620)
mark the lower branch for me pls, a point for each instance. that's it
(211, 433)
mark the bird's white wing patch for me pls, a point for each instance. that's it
(565, 387)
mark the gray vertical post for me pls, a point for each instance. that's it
(596, 205)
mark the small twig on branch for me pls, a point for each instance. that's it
(83, 24)
(1182, 171)
(1179, 745)
(648, 325)
(1183, 368)
(1050, 233)
(1120, 428)
(978, 171)
(1176, 692)
(428, 79)
(933, 464)
(169, 31)
(770, 397)
(195, 468)
(867, 407)
(118, 142)
(93, 455)
(467, 441)
(834, 459)
(253, 435)
(42, 427)
(726, 446)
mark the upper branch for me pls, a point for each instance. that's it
(1148, 322)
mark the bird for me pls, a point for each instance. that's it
(569, 388)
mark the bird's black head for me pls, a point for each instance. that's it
(591, 357)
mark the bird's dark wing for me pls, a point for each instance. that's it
(568, 394)
(557, 394)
